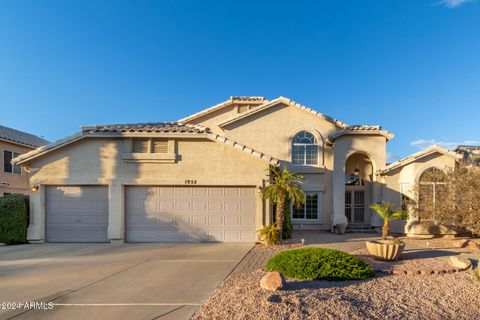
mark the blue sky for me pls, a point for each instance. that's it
(412, 66)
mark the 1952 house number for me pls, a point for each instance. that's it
(190, 181)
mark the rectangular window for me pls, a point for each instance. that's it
(298, 154)
(7, 166)
(305, 154)
(160, 146)
(309, 210)
(311, 154)
(140, 145)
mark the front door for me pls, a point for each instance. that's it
(355, 204)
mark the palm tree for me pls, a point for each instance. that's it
(284, 185)
(385, 211)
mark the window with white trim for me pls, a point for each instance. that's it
(304, 148)
(310, 208)
(7, 165)
(432, 188)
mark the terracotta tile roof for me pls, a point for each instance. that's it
(287, 101)
(154, 127)
(247, 99)
(21, 137)
(361, 129)
(147, 128)
(423, 153)
(230, 101)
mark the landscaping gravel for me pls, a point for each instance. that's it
(447, 296)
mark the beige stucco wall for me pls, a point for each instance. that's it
(99, 161)
(403, 180)
(18, 183)
(271, 131)
(372, 146)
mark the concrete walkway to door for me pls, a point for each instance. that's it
(114, 281)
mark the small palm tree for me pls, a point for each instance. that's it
(385, 211)
(284, 185)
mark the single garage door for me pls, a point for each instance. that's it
(190, 214)
(76, 214)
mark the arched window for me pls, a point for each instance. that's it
(432, 184)
(305, 148)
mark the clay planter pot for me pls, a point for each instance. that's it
(385, 250)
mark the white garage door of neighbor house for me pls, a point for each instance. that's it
(190, 214)
(76, 214)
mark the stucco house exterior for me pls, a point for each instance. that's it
(199, 179)
(13, 179)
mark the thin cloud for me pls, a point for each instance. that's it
(391, 157)
(425, 143)
(452, 3)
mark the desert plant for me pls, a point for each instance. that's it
(269, 234)
(476, 274)
(287, 223)
(284, 185)
(319, 264)
(457, 200)
(385, 211)
(13, 219)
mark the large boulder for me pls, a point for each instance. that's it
(460, 262)
(272, 281)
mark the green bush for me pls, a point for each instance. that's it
(269, 234)
(13, 219)
(319, 264)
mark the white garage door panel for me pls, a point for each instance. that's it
(77, 214)
(182, 214)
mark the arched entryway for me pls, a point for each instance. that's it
(431, 187)
(359, 178)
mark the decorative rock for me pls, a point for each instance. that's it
(274, 298)
(460, 262)
(272, 281)
(461, 243)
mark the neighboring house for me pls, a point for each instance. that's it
(199, 179)
(13, 179)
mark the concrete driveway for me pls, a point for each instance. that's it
(113, 281)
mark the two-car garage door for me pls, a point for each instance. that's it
(184, 214)
(153, 214)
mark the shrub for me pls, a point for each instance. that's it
(269, 234)
(13, 219)
(319, 264)
(457, 200)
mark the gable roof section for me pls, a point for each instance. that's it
(232, 100)
(361, 130)
(119, 130)
(20, 137)
(418, 155)
(286, 101)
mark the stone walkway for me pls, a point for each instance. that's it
(255, 259)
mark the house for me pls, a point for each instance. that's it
(13, 179)
(198, 179)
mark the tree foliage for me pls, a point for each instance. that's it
(13, 219)
(385, 211)
(284, 186)
(456, 203)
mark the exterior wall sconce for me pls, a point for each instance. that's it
(35, 188)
